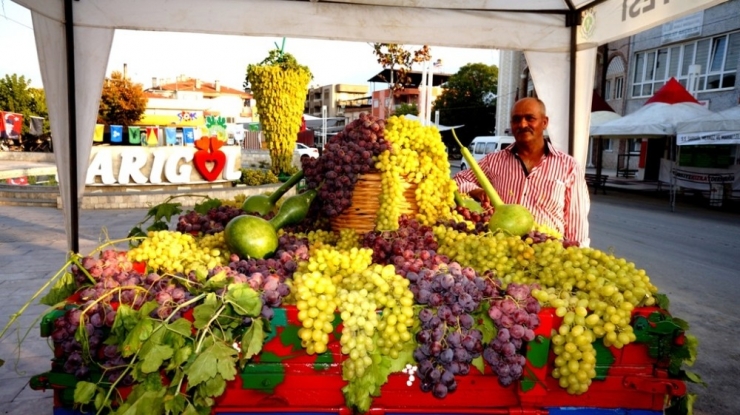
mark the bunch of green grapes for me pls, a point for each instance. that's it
(217, 245)
(359, 322)
(595, 294)
(348, 239)
(175, 252)
(376, 288)
(316, 236)
(396, 300)
(237, 201)
(316, 283)
(498, 252)
(316, 302)
(391, 196)
(417, 155)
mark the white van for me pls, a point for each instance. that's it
(482, 145)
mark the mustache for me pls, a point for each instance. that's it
(524, 130)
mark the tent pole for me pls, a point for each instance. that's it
(73, 208)
(574, 22)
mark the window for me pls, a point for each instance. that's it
(490, 148)
(633, 145)
(717, 58)
(480, 148)
(615, 73)
(606, 144)
(375, 103)
(618, 87)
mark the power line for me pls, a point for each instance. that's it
(15, 21)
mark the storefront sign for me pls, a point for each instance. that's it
(163, 165)
(681, 29)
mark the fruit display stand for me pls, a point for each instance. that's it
(308, 308)
(285, 379)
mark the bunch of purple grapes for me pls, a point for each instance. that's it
(447, 341)
(212, 222)
(169, 295)
(540, 237)
(412, 245)
(268, 276)
(514, 313)
(110, 263)
(346, 156)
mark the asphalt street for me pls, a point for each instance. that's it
(692, 254)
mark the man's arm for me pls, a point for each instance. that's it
(466, 181)
(577, 206)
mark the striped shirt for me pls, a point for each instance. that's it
(554, 191)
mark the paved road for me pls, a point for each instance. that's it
(692, 254)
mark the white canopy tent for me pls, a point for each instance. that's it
(559, 37)
(719, 128)
(440, 127)
(659, 117)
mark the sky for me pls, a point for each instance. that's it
(215, 57)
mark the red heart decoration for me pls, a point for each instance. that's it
(209, 153)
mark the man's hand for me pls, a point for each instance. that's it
(480, 196)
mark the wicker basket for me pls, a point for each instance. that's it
(361, 215)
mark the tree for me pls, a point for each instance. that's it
(123, 102)
(468, 99)
(399, 60)
(17, 95)
(404, 109)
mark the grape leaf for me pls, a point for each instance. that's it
(175, 403)
(207, 205)
(158, 226)
(216, 282)
(153, 359)
(165, 210)
(181, 326)
(479, 364)
(692, 344)
(136, 232)
(143, 402)
(203, 314)
(62, 289)
(216, 359)
(181, 356)
(252, 340)
(137, 336)
(126, 319)
(84, 392)
(662, 301)
(244, 300)
(100, 399)
(214, 386)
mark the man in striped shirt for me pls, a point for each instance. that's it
(532, 173)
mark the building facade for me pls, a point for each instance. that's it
(336, 98)
(702, 51)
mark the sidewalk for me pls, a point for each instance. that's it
(32, 249)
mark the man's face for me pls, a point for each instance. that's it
(527, 121)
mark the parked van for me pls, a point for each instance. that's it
(482, 145)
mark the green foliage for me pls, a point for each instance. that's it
(123, 102)
(405, 109)
(399, 60)
(277, 57)
(257, 177)
(463, 101)
(179, 366)
(17, 95)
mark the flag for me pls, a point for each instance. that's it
(152, 136)
(116, 133)
(170, 136)
(134, 135)
(188, 135)
(99, 131)
(36, 126)
(12, 123)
